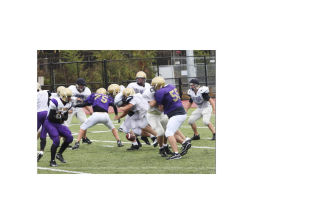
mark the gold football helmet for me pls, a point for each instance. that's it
(65, 94)
(128, 92)
(101, 91)
(113, 89)
(158, 82)
(59, 89)
(141, 74)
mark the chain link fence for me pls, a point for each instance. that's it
(101, 73)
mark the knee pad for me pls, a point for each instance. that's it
(206, 121)
(191, 121)
(69, 139)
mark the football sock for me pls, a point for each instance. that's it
(53, 151)
(43, 142)
(63, 147)
(165, 145)
(135, 143)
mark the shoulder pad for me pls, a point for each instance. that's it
(189, 91)
(204, 89)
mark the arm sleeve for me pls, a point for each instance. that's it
(83, 104)
(206, 96)
(190, 100)
(115, 109)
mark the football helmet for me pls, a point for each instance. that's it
(128, 92)
(158, 82)
(65, 94)
(141, 78)
(194, 84)
(101, 91)
(114, 89)
(80, 84)
(38, 87)
(141, 74)
(59, 89)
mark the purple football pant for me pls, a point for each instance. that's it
(41, 118)
(55, 130)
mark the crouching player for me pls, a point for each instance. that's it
(168, 99)
(100, 103)
(58, 113)
(136, 122)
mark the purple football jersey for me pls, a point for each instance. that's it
(168, 96)
(100, 100)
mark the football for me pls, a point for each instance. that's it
(130, 137)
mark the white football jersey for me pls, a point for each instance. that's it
(42, 100)
(118, 97)
(149, 96)
(197, 97)
(82, 95)
(58, 106)
(139, 89)
(140, 106)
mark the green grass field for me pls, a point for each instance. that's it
(104, 157)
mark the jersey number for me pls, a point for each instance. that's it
(174, 94)
(103, 98)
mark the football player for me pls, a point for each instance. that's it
(168, 99)
(80, 91)
(58, 113)
(42, 111)
(100, 102)
(200, 96)
(139, 87)
(158, 121)
(135, 106)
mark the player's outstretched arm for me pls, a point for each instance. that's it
(125, 110)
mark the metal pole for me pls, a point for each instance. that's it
(180, 87)
(205, 70)
(105, 73)
(51, 76)
(78, 71)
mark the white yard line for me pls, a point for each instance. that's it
(198, 147)
(61, 170)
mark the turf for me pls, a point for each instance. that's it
(104, 157)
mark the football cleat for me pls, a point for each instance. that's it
(167, 150)
(39, 156)
(76, 146)
(60, 158)
(139, 144)
(53, 163)
(155, 141)
(214, 137)
(195, 137)
(119, 144)
(133, 147)
(86, 140)
(174, 157)
(162, 152)
(145, 139)
(185, 147)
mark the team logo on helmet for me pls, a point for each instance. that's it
(158, 82)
